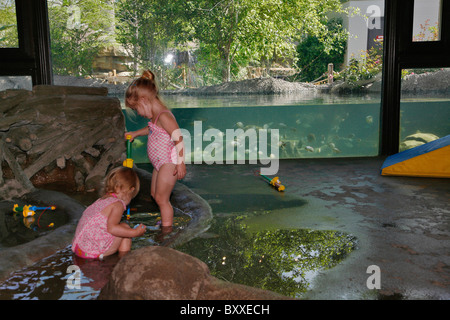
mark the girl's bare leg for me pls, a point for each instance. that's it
(123, 245)
(153, 185)
(165, 181)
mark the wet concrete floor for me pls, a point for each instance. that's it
(402, 223)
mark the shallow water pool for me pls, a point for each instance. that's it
(55, 277)
(16, 229)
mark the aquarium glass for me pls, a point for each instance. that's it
(424, 107)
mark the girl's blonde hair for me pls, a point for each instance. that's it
(143, 86)
(121, 179)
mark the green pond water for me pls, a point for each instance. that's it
(283, 261)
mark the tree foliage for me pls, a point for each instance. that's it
(8, 26)
(258, 32)
(313, 56)
(77, 31)
(224, 36)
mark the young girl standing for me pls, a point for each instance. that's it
(99, 232)
(165, 142)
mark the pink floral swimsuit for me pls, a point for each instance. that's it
(92, 238)
(160, 146)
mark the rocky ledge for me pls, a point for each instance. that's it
(160, 273)
(252, 86)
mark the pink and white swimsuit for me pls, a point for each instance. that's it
(92, 238)
(160, 146)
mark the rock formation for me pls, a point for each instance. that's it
(160, 273)
(429, 82)
(253, 86)
(58, 134)
(112, 57)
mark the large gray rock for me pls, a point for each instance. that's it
(161, 273)
(437, 81)
(254, 86)
(58, 133)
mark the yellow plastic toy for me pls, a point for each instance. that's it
(128, 162)
(29, 211)
(275, 182)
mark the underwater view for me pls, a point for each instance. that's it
(231, 127)
(307, 130)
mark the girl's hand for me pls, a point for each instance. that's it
(140, 230)
(131, 133)
(180, 171)
(137, 133)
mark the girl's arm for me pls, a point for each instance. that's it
(114, 213)
(137, 133)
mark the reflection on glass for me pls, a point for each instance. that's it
(424, 107)
(8, 25)
(427, 20)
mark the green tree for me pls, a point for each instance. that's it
(258, 31)
(313, 57)
(139, 33)
(217, 28)
(8, 27)
(226, 34)
(149, 30)
(77, 31)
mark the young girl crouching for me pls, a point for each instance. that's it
(99, 232)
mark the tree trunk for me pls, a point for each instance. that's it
(226, 64)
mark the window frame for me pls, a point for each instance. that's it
(401, 52)
(32, 57)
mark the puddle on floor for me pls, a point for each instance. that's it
(282, 260)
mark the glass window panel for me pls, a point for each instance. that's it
(340, 53)
(427, 20)
(424, 107)
(8, 24)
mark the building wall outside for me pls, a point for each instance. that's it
(370, 20)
